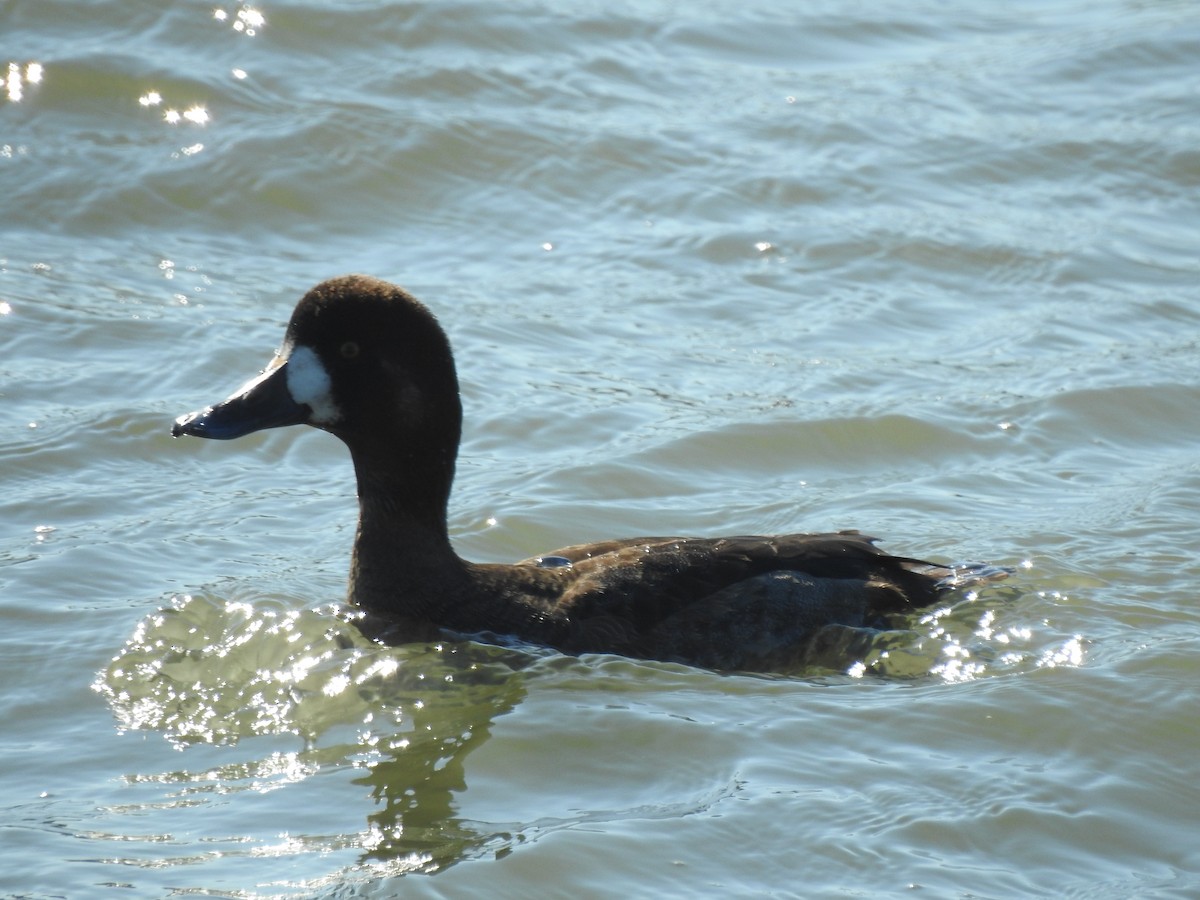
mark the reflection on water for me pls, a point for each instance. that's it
(210, 671)
(214, 671)
(714, 269)
(246, 21)
(416, 826)
(17, 77)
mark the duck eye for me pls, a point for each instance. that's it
(349, 350)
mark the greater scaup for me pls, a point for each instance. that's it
(365, 361)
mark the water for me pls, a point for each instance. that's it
(709, 268)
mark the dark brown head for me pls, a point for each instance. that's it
(363, 360)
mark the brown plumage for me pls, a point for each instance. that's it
(365, 361)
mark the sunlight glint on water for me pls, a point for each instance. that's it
(707, 270)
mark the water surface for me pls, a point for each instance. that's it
(708, 268)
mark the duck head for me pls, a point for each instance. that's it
(367, 362)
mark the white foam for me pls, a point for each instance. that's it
(308, 382)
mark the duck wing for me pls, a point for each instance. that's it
(750, 602)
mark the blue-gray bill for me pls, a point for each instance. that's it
(264, 402)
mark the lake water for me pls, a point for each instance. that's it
(927, 270)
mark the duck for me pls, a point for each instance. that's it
(365, 361)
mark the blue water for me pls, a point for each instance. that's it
(925, 271)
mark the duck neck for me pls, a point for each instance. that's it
(403, 563)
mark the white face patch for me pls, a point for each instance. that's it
(309, 384)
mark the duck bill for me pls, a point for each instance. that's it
(262, 402)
